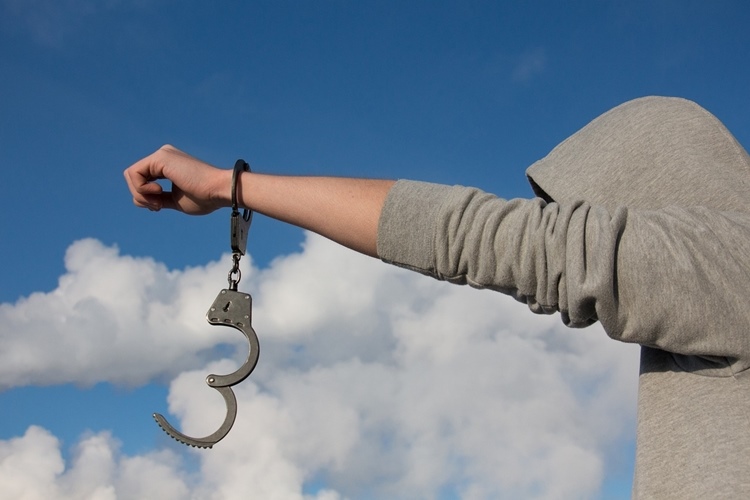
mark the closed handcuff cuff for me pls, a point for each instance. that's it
(231, 308)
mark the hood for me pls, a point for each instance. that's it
(648, 153)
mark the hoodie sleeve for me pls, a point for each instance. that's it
(674, 279)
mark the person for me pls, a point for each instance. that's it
(640, 221)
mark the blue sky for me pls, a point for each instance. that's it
(98, 299)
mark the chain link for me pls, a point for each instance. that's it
(235, 271)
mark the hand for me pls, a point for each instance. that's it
(197, 187)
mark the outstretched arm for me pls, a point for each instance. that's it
(345, 210)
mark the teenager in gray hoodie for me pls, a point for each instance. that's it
(640, 222)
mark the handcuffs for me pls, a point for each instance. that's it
(231, 308)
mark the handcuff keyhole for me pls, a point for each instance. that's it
(226, 307)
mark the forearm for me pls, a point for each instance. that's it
(346, 210)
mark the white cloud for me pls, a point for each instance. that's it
(111, 318)
(32, 467)
(373, 382)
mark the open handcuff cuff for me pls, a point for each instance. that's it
(231, 308)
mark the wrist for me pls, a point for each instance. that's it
(221, 194)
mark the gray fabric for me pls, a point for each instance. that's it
(648, 233)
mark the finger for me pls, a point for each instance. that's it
(137, 185)
(152, 202)
(146, 203)
(146, 196)
(145, 170)
(166, 200)
(140, 179)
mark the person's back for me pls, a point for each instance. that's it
(694, 387)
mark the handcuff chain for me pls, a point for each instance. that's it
(235, 271)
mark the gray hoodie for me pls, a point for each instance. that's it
(641, 223)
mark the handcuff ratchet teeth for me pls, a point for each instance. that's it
(234, 309)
